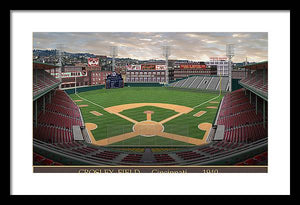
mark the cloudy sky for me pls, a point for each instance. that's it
(148, 45)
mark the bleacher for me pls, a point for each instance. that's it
(211, 83)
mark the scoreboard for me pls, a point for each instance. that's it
(196, 66)
(114, 80)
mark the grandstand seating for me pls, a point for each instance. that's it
(242, 124)
(67, 145)
(255, 80)
(106, 155)
(259, 159)
(132, 158)
(187, 155)
(85, 150)
(163, 158)
(52, 134)
(55, 125)
(41, 160)
(42, 80)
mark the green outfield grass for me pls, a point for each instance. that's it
(109, 125)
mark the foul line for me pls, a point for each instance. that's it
(206, 101)
(90, 101)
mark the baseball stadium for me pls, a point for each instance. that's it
(194, 120)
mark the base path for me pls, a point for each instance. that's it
(181, 138)
(148, 129)
(176, 108)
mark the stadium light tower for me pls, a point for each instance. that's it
(166, 54)
(230, 54)
(60, 48)
(113, 54)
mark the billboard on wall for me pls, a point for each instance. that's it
(93, 62)
(133, 67)
(160, 67)
(148, 67)
(183, 66)
(223, 58)
(70, 74)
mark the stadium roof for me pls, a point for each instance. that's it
(43, 66)
(256, 66)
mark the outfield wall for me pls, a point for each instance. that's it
(143, 85)
(84, 89)
(96, 87)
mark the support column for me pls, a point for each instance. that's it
(256, 75)
(75, 82)
(250, 96)
(264, 76)
(36, 76)
(264, 113)
(230, 77)
(256, 103)
(50, 96)
(44, 104)
(36, 114)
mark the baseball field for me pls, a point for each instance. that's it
(134, 116)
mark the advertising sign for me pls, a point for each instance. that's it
(93, 62)
(218, 58)
(161, 67)
(148, 67)
(133, 67)
(69, 74)
(183, 66)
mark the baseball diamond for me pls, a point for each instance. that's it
(147, 112)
